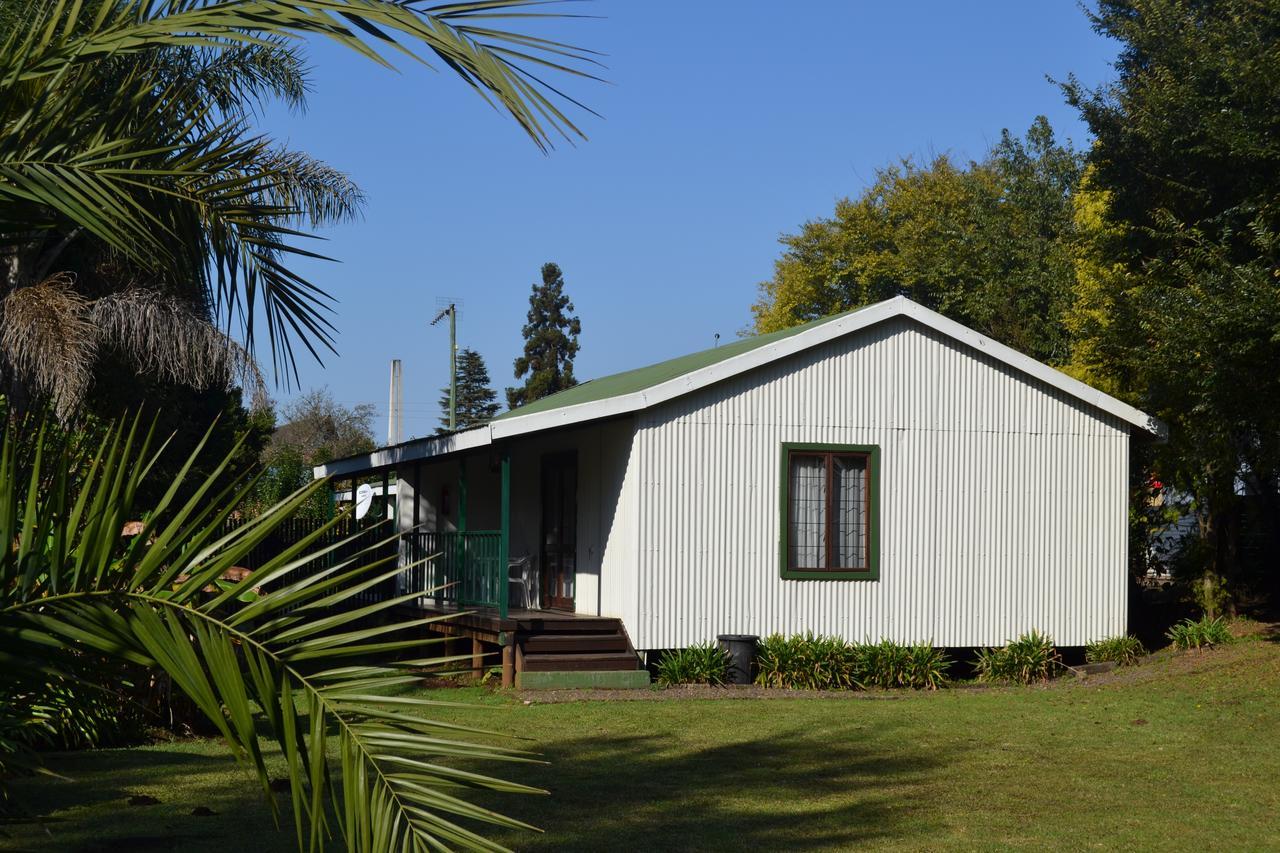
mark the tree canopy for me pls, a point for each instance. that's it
(1177, 304)
(987, 243)
(550, 341)
(475, 401)
(314, 428)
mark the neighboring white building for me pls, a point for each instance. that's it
(883, 473)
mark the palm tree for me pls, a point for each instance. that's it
(302, 658)
(138, 209)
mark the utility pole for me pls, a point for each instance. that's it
(452, 312)
(395, 406)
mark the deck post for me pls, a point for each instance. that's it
(414, 539)
(462, 495)
(417, 504)
(508, 663)
(477, 659)
(387, 507)
(504, 545)
(467, 585)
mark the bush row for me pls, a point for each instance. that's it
(817, 662)
(812, 662)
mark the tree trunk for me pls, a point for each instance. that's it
(1229, 554)
(1210, 581)
(1267, 520)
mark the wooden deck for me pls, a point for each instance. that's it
(540, 640)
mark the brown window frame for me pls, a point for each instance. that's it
(829, 453)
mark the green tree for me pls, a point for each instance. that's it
(988, 244)
(475, 401)
(315, 429)
(141, 211)
(1181, 312)
(550, 341)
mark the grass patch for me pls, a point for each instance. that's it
(1177, 753)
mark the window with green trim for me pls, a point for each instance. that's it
(829, 511)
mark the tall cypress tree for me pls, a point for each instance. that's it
(550, 341)
(476, 401)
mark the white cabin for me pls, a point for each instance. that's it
(882, 473)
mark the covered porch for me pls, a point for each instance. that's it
(510, 538)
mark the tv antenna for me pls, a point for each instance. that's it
(449, 308)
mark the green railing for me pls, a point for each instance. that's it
(467, 569)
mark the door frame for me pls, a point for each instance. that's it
(551, 581)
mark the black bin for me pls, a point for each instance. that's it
(741, 649)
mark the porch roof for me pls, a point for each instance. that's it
(635, 390)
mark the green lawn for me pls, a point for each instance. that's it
(1182, 753)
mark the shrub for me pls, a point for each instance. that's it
(1031, 657)
(807, 662)
(1206, 632)
(889, 664)
(811, 662)
(701, 663)
(1123, 650)
(926, 667)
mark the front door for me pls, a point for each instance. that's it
(559, 529)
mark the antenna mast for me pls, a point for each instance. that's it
(395, 406)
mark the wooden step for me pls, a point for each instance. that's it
(570, 625)
(582, 643)
(604, 661)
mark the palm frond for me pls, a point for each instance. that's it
(71, 32)
(320, 193)
(241, 78)
(163, 337)
(49, 336)
(126, 121)
(71, 580)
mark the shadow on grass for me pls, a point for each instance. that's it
(798, 790)
(693, 778)
(89, 811)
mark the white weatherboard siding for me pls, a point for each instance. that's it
(1003, 499)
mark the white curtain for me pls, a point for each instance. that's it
(850, 484)
(808, 491)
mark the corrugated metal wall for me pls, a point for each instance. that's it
(1003, 500)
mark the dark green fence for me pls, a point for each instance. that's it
(354, 536)
(465, 569)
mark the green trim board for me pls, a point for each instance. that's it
(872, 572)
(631, 381)
(504, 548)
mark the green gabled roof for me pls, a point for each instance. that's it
(631, 381)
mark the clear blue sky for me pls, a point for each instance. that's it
(725, 124)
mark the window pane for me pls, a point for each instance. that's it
(850, 525)
(808, 497)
